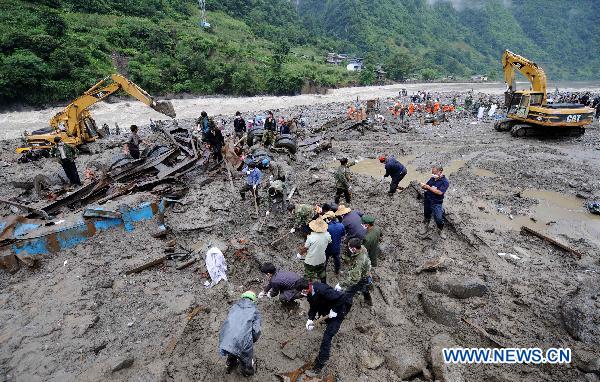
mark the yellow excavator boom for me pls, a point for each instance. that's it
(534, 73)
(74, 123)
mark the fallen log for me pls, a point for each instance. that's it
(483, 332)
(152, 263)
(552, 241)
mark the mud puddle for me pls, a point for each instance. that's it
(373, 168)
(555, 213)
(482, 172)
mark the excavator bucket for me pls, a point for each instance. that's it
(165, 107)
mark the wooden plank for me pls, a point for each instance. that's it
(152, 263)
(483, 332)
(552, 241)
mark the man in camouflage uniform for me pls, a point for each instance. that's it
(303, 215)
(358, 276)
(342, 181)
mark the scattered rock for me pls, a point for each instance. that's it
(290, 352)
(587, 362)
(370, 360)
(404, 362)
(580, 312)
(123, 363)
(105, 283)
(98, 347)
(457, 287)
(444, 372)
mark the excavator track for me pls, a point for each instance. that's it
(525, 130)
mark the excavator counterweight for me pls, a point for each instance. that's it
(528, 110)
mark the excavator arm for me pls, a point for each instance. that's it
(72, 116)
(529, 69)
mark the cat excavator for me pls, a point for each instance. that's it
(529, 113)
(75, 125)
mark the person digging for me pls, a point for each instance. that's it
(280, 283)
(358, 276)
(394, 169)
(314, 248)
(324, 301)
(435, 188)
(66, 154)
(239, 332)
(254, 176)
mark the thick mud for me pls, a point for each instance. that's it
(78, 317)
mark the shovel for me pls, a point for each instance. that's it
(262, 223)
(254, 192)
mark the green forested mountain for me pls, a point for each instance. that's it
(52, 50)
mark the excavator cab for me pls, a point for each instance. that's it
(521, 101)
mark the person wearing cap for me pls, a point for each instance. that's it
(66, 154)
(280, 283)
(324, 301)
(435, 188)
(342, 181)
(239, 125)
(358, 276)
(337, 232)
(314, 250)
(372, 238)
(239, 332)
(395, 170)
(254, 176)
(303, 215)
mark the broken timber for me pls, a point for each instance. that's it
(552, 241)
(149, 264)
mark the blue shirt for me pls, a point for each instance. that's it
(337, 231)
(205, 125)
(393, 168)
(441, 184)
(254, 176)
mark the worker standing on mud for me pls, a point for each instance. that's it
(372, 238)
(314, 249)
(133, 144)
(254, 176)
(216, 141)
(435, 188)
(393, 169)
(342, 180)
(326, 302)
(280, 283)
(203, 125)
(66, 156)
(337, 232)
(270, 130)
(239, 332)
(239, 126)
(358, 276)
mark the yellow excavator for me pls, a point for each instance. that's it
(75, 125)
(529, 113)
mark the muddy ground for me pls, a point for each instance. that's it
(76, 316)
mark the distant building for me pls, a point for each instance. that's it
(355, 65)
(335, 58)
(479, 78)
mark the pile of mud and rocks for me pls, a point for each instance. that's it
(129, 301)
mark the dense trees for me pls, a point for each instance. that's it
(52, 50)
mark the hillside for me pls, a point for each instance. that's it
(52, 50)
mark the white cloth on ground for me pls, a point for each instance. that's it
(216, 266)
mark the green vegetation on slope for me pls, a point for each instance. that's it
(52, 50)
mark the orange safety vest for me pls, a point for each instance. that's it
(436, 107)
(411, 108)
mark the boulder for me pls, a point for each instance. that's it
(459, 287)
(370, 360)
(122, 363)
(580, 312)
(406, 363)
(443, 372)
(587, 362)
(440, 308)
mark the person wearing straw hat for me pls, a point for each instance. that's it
(239, 332)
(314, 249)
(337, 232)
